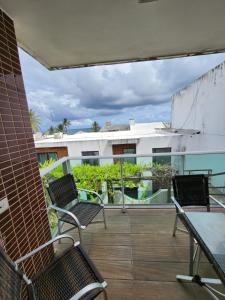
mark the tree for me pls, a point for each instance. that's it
(66, 123)
(35, 121)
(95, 127)
(60, 127)
(51, 130)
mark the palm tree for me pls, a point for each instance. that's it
(60, 127)
(95, 126)
(66, 123)
(51, 130)
(35, 121)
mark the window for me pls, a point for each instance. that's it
(43, 157)
(90, 161)
(131, 160)
(162, 160)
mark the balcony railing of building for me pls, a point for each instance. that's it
(126, 181)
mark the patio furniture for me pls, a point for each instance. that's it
(72, 275)
(207, 229)
(190, 191)
(64, 195)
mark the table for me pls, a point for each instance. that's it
(208, 229)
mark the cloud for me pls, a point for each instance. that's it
(139, 90)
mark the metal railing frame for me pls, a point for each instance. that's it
(65, 162)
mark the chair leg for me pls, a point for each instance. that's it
(175, 226)
(59, 230)
(105, 295)
(80, 235)
(103, 213)
(199, 252)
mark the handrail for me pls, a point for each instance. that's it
(146, 155)
(46, 170)
(57, 163)
(217, 174)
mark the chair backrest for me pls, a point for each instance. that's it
(11, 280)
(191, 190)
(63, 190)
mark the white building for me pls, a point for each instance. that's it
(143, 138)
(197, 124)
(201, 106)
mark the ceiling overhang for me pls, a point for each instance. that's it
(77, 33)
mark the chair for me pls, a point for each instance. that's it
(63, 192)
(72, 275)
(190, 190)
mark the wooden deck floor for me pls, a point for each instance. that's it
(139, 258)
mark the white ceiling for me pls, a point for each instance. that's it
(73, 33)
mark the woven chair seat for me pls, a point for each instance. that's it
(85, 212)
(77, 273)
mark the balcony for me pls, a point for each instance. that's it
(139, 258)
(137, 254)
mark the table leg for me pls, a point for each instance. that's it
(191, 254)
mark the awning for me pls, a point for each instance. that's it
(76, 33)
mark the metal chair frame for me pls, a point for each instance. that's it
(179, 207)
(90, 287)
(74, 217)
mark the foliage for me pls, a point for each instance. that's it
(51, 130)
(35, 121)
(61, 127)
(162, 174)
(95, 127)
(66, 123)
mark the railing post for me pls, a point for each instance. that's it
(66, 167)
(183, 163)
(122, 185)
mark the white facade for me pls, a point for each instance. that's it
(201, 106)
(145, 136)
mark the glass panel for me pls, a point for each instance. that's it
(90, 161)
(52, 155)
(131, 160)
(145, 182)
(42, 157)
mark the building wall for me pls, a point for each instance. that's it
(60, 151)
(105, 148)
(24, 226)
(201, 106)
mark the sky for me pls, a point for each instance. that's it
(115, 93)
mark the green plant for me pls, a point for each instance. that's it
(35, 121)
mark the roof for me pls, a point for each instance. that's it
(76, 33)
(113, 137)
(115, 127)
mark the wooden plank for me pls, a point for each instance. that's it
(110, 252)
(139, 258)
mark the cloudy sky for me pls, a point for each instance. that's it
(138, 90)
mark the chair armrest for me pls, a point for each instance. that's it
(59, 209)
(88, 288)
(177, 205)
(92, 192)
(59, 237)
(217, 201)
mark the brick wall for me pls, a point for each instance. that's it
(24, 225)
(60, 151)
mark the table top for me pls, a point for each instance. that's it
(208, 228)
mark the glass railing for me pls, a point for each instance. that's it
(135, 180)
